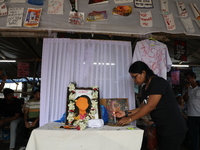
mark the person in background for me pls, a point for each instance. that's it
(182, 106)
(192, 98)
(32, 111)
(158, 100)
(3, 77)
(10, 110)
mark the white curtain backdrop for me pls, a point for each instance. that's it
(88, 63)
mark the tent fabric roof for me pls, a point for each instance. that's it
(116, 24)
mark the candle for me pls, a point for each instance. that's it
(114, 117)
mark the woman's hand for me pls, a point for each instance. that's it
(120, 113)
(124, 121)
(27, 124)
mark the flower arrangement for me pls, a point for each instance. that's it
(82, 122)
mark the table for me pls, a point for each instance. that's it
(51, 137)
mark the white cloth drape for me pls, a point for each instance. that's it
(88, 63)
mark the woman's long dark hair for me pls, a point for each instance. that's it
(76, 110)
(138, 67)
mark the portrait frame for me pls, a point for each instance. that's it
(77, 95)
(114, 104)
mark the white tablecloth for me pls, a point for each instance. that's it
(51, 137)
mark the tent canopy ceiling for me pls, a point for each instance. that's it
(29, 49)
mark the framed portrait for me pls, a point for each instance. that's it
(82, 105)
(114, 104)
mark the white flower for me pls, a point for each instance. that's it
(71, 105)
(95, 94)
(70, 117)
(94, 104)
(82, 125)
(71, 86)
(71, 96)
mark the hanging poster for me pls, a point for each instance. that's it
(123, 1)
(122, 10)
(82, 105)
(3, 10)
(195, 11)
(180, 52)
(143, 4)
(112, 105)
(181, 9)
(33, 17)
(188, 25)
(146, 19)
(36, 2)
(97, 16)
(73, 4)
(175, 77)
(55, 7)
(169, 21)
(164, 6)
(23, 69)
(15, 17)
(17, 1)
(76, 18)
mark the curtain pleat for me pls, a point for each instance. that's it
(88, 63)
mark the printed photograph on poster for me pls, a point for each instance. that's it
(97, 16)
(3, 10)
(55, 7)
(175, 77)
(122, 10)
(76, 18)
(143, 4)
(33, 17)
(14, 18)
(114, 104)
(180, 50)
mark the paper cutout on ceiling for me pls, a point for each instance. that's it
(17, 1)
(181, 9)
(188, 25)
(97, 16)
(74, 5)
(122, 10)
(33, 17)
(169, 21)
(94, 2)
(55, 7)
(14, 18)
(76, 18)
(36, 2)
(3, 10)
(195, 10)
(146, 19)
(164, 6)
(143, 4)
(123, 1)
